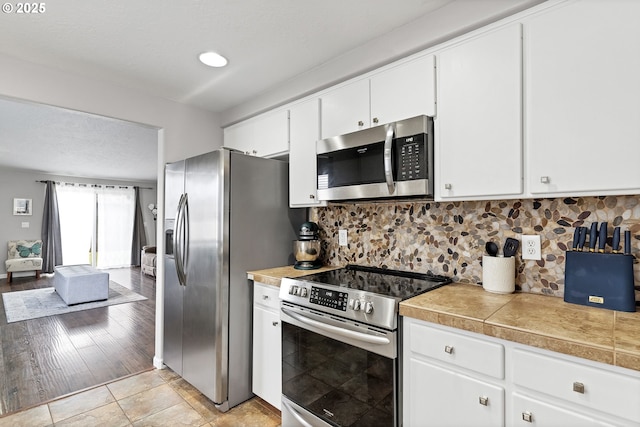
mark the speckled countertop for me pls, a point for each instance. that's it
(601, 335)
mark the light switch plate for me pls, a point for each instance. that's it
(25, 225)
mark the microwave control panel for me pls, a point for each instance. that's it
(411, 158)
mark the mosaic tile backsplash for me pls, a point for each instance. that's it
(449, 237)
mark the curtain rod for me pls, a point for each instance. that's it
(97, 185)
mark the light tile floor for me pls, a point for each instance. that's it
(153, 398)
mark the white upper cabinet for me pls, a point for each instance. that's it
(404, 91)
(266, 135)
(399, 92)
(345, 109)
(304, 131)
(583, 99)
(478, 129)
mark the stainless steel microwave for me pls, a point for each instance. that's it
(392, 160)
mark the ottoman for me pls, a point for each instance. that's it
(80, 283)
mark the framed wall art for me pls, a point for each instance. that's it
(22, 207)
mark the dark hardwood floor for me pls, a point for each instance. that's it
(45, 358)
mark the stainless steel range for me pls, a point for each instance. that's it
(340, 340)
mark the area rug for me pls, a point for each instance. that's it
(34, 303)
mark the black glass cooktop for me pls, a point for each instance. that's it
(393, 283)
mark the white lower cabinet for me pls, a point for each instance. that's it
(538, 388)
(450, 379)
(267, 344)
(442, 397)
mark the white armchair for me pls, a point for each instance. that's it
(23, 255)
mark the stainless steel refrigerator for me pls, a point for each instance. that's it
(227, 213)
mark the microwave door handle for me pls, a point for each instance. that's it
(388, 167)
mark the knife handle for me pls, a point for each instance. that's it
(627, 242)
(602, 237)
(582, 238)
(593, 236)
(576, 239)
(615, 243)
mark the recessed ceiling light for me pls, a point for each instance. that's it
(213, 59)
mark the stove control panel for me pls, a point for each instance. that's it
(354, 304)
(327, 298)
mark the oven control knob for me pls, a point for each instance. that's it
(356, 305)
(293, 290)
(303, 292)
(351, 302)
(368, 307)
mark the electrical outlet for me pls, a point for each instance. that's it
(531, 247)
(342, 237)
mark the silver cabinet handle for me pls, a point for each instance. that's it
(578, 387)
(448, 349)
(447, 186)
(527, 416)
(375, 120)
(360, 123)
(274, 323)
(483, 400)
(545, 179)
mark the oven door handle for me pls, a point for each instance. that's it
(388, 166)
(371, 339)
(296, 414)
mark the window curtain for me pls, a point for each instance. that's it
(77, 217)
(116, 210)
(139, 235)
(51, 241)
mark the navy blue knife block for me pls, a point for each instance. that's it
(600, 280)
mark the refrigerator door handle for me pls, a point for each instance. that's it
(185, 237)
(178, 241)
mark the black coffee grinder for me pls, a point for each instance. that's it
(307, 248)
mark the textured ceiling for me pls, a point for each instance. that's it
(153, 45)
(57, 141)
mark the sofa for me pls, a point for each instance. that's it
(148, 260)
(23, 255)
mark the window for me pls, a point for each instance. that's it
(96, 224)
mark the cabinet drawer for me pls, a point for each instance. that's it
(598, 389)
(266, 295)
(460, 350)
(532, 412)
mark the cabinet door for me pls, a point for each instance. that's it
(440, 397)
(345, 109)
(478, 130)
(267, 359)
(404, 91)
(265, 135)
(304, 131)
(583, 98)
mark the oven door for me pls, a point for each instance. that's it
(336, 372)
